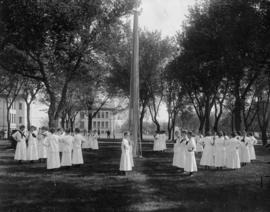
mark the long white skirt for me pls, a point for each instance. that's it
(77, 157)
(244, 154)
(42, 150)
(53, 160)
(208, 156)
(233, 160)
(66, 159)
(20, 152)
(199, 148)
(252, 152)
(87, 144)
(32, 151)
(95, 144)
(190, 162)
(156, 146)
(220, 157)
(125, 161)
(179, 157)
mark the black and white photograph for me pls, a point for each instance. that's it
(134, 105)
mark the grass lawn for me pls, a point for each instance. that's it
(154, 185)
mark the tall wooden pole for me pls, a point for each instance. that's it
(134, 89)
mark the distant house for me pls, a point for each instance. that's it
(17, 113)
(104, 121)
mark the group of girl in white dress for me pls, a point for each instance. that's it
(61, 149)
(217, 151)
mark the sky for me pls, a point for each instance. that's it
(162, 15)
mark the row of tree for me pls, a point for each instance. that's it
(217, 67)
(62, 48)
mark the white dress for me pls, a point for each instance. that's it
(208, 152)
(32, 148)
(20, 152)
(42, 150)
(52, 143)
(156, 146)
(77, 157)
(251, 142)
(95, 142)
(190, 161)
(199, 145)
(66, 159)
(232, 157)
(60, 142)
(179, 153)
(220, 152)
(125, 161)
(162, 141)
(244, 151)
(88, 142)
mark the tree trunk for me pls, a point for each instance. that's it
(202, 121)
(207, 115)
(71, 121)
(232, 121)
(90, 118)
(63, 122)
(141, 123)
(264, 135)
(28, 110)
(8, 122)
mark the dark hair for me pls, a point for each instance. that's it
(207, 133)
(52, 130)
(190, 133)
(233, 134)
(59, 129)
(239, 133)
(126, 133)
(67, 131)
(22, 127)
(77, 130)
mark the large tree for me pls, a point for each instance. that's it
(50, 41)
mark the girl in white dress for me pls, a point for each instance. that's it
(180, 156)
(199, 144)
(60, 133)
(244, 149)
(207, 159)
(67, 141)
(77, 157)
(20, 152)
(251, 142)
(32, 148)
(88, 141)
(162, 141)
(176, 150)
(125, 161)
(190, 161)
(156, 146)
(95, 141)
(52, 143)
(220, 151)
(42, 150)
(232, 157)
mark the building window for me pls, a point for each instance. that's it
(95, 124)
(82, 124)
(102, 115)
(98, 115)
(20, 106)
(98, 124)
(107, 115)
(106, 125)
(102, 124)
(20, 120)
(82, 115)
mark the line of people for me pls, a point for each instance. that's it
(219, 151)
(57, 147)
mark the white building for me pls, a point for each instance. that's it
(104, 121)
(17, 113)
